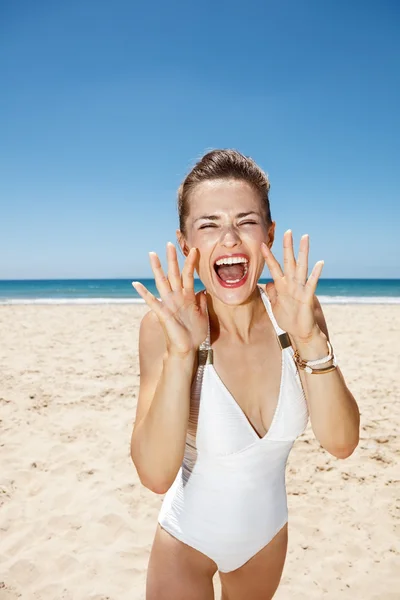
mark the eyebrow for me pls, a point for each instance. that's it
(217, 218)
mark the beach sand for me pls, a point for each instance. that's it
(75, 522)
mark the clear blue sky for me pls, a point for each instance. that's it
(104, 107)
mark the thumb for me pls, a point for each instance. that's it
(271, 291)
(203, 302)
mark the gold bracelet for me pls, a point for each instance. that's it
(319, 371)
(302, 364)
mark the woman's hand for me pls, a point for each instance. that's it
(292, 294)
(182, 315)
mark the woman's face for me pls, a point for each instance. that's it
(226, 224)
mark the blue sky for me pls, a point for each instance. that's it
(105, 106)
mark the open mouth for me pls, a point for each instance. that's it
(232, 270)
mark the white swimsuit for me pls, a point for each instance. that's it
(228, 499)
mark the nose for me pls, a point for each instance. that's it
(230, 237)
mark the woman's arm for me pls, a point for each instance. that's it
(162, 414)
(334, 414)
(168, 341)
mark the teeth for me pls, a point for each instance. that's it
(232, 260)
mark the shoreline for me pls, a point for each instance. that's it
(331, 300)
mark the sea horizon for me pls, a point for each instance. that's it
(120, 290)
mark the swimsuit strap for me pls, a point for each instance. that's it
(205, 350)
(283, 338)
(206, 345)
(267, 303)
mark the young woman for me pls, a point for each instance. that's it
(228, 379)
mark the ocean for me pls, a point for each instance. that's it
(119, 291)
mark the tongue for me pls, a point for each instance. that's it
(230, 272)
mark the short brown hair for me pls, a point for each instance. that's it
(223, 164)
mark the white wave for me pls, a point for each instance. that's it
(71, 301)
(359, 299)
(322, 299)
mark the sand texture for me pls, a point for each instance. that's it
(75, 522)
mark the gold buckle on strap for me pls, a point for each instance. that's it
(206, 356)
(284, 340)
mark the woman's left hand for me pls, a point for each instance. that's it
(292, 294)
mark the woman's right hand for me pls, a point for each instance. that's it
(182, 314)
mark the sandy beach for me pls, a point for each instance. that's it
(75, 522)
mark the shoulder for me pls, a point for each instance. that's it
(263, 286)
(150, 324)
(151, 335)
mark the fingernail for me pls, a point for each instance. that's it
(134, 283)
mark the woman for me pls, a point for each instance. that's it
(228, 377)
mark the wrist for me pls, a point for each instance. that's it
(180, 365)
(173, 356)
(314, 347)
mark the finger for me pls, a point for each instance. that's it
(203, 302)
(315, 274)
(302, 260)
(188, 271)
(289, 261)
(160, 278)
(174, 275)
(158, 307)
(271, 262)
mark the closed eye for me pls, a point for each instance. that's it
(242, 223)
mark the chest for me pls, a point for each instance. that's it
(251, 376)
(265, 412)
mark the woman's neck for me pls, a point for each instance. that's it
(236, 322)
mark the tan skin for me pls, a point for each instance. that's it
(244, 340)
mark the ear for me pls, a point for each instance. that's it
(271, 234)
(182, 242)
